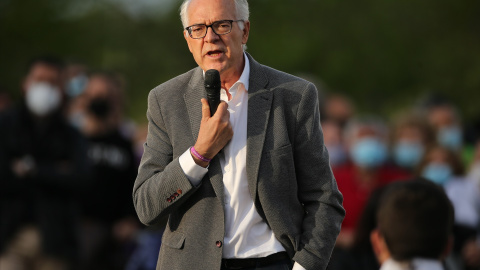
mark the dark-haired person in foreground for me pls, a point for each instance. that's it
(249, 187)
(414, 227)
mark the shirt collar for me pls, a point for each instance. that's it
(245, 77)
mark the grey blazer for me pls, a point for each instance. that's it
(288, 172)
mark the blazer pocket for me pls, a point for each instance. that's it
(174, 240)
(277, 175)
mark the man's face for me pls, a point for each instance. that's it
(43, 73)
(223, 53)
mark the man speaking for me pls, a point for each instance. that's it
(249, 187)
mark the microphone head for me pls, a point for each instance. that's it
(212, 79)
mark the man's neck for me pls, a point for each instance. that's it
(229, 78)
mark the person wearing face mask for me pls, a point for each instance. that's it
(444, 167)
(108, 218)
(367, 169)
(42, 168)
(75, 81)
(411, 137)
(332, 134)
(446, 121)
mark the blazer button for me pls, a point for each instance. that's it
(219, 244)
(169, 200)
(179, 191)
(172, 197)
(176, 194)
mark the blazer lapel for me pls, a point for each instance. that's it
(259, 104)
(195, 92)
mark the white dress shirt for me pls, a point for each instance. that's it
(246, 234)
(465, 198)
(415, 264)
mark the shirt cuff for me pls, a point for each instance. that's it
(192, 170)
(297, 266)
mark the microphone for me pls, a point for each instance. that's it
(212, 86)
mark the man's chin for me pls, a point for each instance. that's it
(217, 66)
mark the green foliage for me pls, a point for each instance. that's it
(383, 53)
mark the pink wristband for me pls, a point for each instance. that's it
(196, 154)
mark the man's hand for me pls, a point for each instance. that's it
(215, 132)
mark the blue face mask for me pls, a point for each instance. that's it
(450, 137)
(337, 154)
(408, 154)
(369, 153)
(76, 85)
(438, 173)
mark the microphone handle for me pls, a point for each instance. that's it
(213, 101)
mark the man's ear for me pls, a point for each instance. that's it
(379, 246)
(246, 32)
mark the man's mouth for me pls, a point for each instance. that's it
(215, 53)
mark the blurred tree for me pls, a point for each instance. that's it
(384, 54)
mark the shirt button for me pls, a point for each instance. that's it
(219, 244)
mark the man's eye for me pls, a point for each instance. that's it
(196, 28)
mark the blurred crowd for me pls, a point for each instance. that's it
(69, 157)
(427, 140)
(68, 161)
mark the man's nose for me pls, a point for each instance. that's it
(211, 36)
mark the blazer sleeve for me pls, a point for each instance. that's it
(317, 188)
(161, 184)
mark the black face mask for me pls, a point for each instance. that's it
(100, 107)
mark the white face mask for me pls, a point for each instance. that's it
(42, 98)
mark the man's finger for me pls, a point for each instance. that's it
(205, 109)
(222, 105)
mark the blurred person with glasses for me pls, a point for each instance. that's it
(249, 187)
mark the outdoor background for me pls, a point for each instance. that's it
(384, 54)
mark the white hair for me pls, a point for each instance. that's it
(242, 12)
